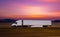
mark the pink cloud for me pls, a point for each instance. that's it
(54, 13)
(20, 10)
(48, 0)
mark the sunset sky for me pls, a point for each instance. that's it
(37, 9)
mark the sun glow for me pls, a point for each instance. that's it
(34, 10)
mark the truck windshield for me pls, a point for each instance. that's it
(15, 22)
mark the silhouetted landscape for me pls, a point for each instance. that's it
(13, 20)
(7, 20)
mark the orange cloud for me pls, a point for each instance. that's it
(56, 14)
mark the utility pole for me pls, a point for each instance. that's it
(22, 23)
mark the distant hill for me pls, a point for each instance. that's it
(14, 20)
(7, 20)
(56, 21)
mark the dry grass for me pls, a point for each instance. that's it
(7, 31)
